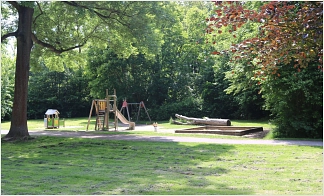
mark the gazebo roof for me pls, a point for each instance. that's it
(52, 111)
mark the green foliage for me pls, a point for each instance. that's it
(66, 91)
(188, 107)
(130, 77)
(7, 83)
(296, 102)
(266, 60)
(149, 53)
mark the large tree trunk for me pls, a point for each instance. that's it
(207, 121)
(18, 128)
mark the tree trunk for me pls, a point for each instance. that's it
(207, 121)
(18, 128)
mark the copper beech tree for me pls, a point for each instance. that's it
(289, 33)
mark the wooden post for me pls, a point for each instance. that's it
(115, 110)
(128, 113)
(90, 114)
(107, 111)
(97, 113)
(139, 109)
(108, 108)
(146, 111)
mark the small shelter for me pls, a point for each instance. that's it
(51, 119)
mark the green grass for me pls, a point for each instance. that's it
(73, 166)
(38, 124)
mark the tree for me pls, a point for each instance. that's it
(288, 32)
(53, 32)
(66, 91)
(283, 60)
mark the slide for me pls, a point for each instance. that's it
(122, 119)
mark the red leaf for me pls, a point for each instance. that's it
(271, 7)
(215, 53)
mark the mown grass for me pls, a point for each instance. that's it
(74, 166)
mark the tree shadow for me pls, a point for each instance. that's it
(118, 167)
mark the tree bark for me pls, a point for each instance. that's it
(208, 121)
(18, 128)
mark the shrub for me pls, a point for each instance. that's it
(296, 101)
(188, 107)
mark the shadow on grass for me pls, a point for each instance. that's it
(53, 165)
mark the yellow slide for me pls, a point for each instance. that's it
(123, 120)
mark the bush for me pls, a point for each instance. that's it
(188, 107)
(296, 102)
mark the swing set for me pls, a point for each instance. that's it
(140, 105)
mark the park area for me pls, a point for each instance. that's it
(161, 97)
(84, 166)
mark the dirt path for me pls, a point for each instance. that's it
(83, 134)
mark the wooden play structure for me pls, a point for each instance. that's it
(103, 108)
(51, 119)
(140, 105)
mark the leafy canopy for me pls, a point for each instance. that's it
(287, 32)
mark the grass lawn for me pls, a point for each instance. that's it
(74, 166)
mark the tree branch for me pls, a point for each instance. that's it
(8, 35)
(14, 4)
(51, 47)
(100, 15)
(41, 12)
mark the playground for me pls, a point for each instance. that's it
(105, 107)
(108, 117)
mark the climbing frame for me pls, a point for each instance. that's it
(102, 109)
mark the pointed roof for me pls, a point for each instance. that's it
(52, 111)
